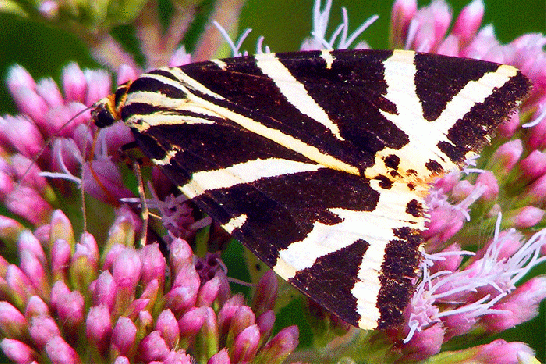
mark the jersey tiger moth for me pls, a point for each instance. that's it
(319, 162)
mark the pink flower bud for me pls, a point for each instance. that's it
(22, 134)
(462, 190)
(153, 264)
(31, 105)
(145, 320)
(28, 242)
(58, 293)
(185, 289)
(92, 250)
(402, 13)
(115, 137)
(424, 343)
(482, 43)
(70, 309)
(500, 352)
(537, 190)
(122, 360)
(180, 57)
(98, 85)
(469, 20)
(508, 128)
(124, 335)
(265, 323)
(74, 83)
(243, 318)
(246, 344)
(12, 322)
(167, 326)
(98, 327)
(60, 259)
(449, 46)
(36, 307)
(126, 269)
(227, 312)
(59, 352)
(210, 330)
(28, 173)
(181, 254)
(27, 203)
(61, 228)
(42, 329)
(153, 347)
(534, 165)
(138, 307)
(433, 22)
(17, 351)
(208, 293)
(178, 357)
(278, 348)
(127, 73)
(18, 77)
(109, 187)
(10, 229)
(537, 136)
(48, 90)
(521, 305)
(7, 184)
(450, 262)
(221, 357)
(19, 285)
(489, 181)
(443, 224)
(508, 154)
(63, 120)
(192, 321)
(458, 324)
(151, 291)
(527, 217)
(83, 267)
(266, 293)
(33, 269)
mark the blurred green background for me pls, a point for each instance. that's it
(284, 23)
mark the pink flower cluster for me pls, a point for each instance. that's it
(68, 301)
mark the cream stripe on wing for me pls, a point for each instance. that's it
(247, 172)
(294, 91)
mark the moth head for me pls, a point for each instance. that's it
(104, 112)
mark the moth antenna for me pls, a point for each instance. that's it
(48, 143)
(143, 204)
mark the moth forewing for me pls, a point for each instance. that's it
(318, 161)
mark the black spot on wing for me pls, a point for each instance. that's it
(392, 161)
(434, 166)
(414, 208)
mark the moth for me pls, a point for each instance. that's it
(319, 162)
